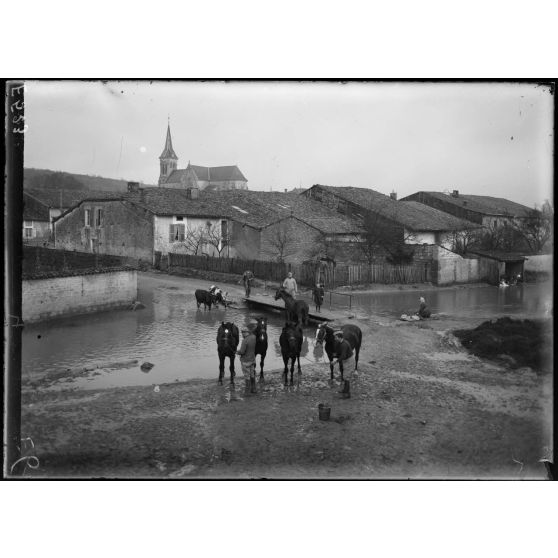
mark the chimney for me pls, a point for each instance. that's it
(393, 195)
(285, 190)
(455, 194)
(192, 193)
(133, 187)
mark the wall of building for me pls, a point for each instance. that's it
(163, 243)
(125, 230)
(452, 268)
(78, 294)
(541, 263)
(39, 229)
(53, 213)
(245, 241)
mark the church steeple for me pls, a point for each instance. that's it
(168, 158)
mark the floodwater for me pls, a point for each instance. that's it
(483, 302)
(107, 349)
(170, 332)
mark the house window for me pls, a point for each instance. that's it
(224, 231)
(28, 229)
(98, 217)
(179, 218)
(176, 233)
(87, 217)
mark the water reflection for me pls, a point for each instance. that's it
(466, 301)
(180, 340)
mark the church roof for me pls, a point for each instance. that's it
(168, 152)
(210, 174)
(218, 174)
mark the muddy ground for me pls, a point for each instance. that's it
(422, 407)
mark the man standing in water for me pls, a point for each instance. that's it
(289, 284)
(247, 279)
(247, 354)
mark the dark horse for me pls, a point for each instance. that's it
(227, 342)
(296, 310)
(206, 298)
(291, 345)
(351, 333)
(261, 342)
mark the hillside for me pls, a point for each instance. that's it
(57, 180)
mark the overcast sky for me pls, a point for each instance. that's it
(479, 138)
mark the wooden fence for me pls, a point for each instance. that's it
(306, 274)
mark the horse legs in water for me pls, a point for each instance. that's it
(221, 368)
(231, 368)
(286, 371)
(331, 369)
(262, 358)
(293, 359)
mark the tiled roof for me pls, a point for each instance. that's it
(66, 198)
(499, 255)
(218, 174)
(414, 216)
(34, 210)
(211, 174)
(486, 205)
(255, 209)
(418, 216)
(176, 175)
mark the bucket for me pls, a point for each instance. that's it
(324, 411)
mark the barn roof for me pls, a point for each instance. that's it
(412, 215)
(486, 205)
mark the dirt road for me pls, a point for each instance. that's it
(422, 407)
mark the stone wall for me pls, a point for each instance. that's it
(50, 297)
(38, 259)
(125, 230)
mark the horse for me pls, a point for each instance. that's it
(205, 297)
(296, 310)
(227, 342)
(261, 342)
(291, 345)
(351, 333)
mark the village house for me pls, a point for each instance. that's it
(407, 222)
(145, 223)
(42, 206)
(36, 219)
(195, 176)
(487, 211)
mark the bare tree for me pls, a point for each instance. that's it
(282, 241)
(194, 238)
(537, 227)
(218, 238)
(384, 235)
(461, 240)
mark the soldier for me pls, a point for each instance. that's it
(247, 354)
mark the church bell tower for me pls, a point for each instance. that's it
(167, 160)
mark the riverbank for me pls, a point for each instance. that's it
(422, 407)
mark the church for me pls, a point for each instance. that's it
(195, 176)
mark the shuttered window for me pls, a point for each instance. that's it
(176, 232)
